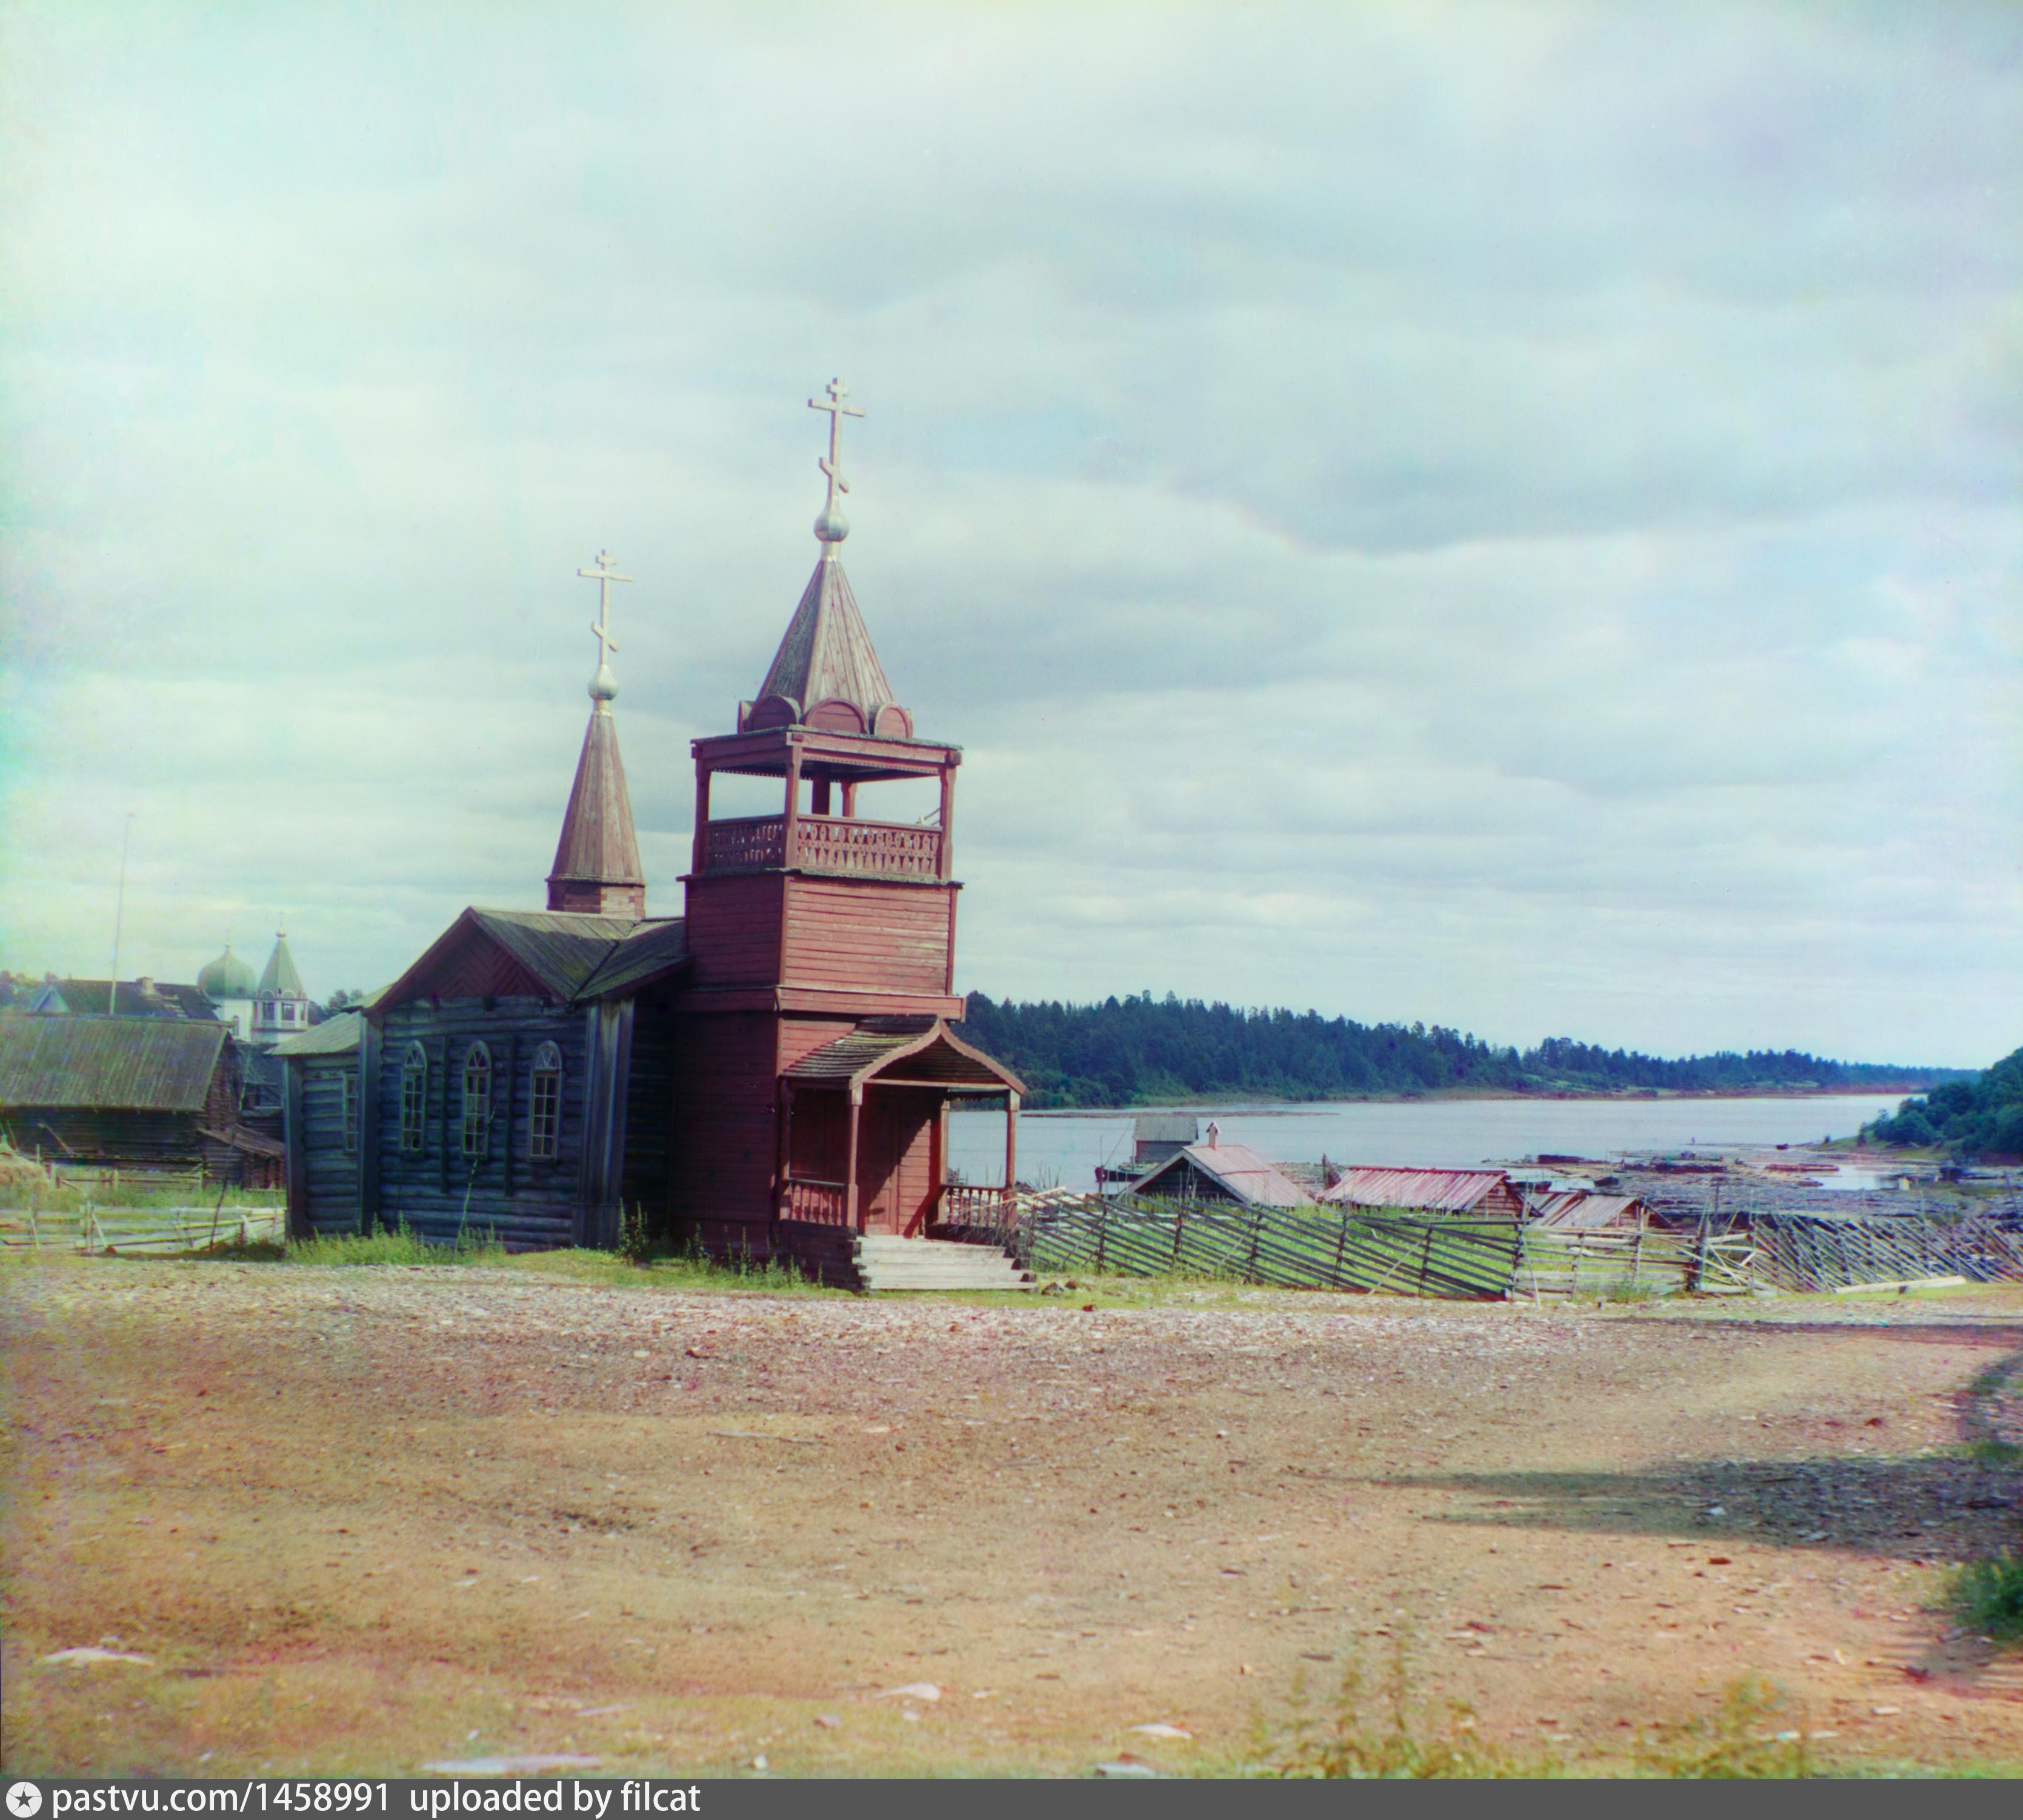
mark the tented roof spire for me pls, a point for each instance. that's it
(825, 674)
(597, 861)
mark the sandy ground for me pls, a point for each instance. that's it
(359, 1520)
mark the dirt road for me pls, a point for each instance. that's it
(358, 1520)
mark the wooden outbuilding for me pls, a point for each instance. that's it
(129, 1093)
(1215, 1171)
(320, 1099)
(1477, 1193)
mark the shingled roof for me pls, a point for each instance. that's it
(128, 1063)
(597, 861)
(932, 1051)
(570, 958)
(1237, 1169)
(826, 674)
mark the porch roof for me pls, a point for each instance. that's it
(932, 1053)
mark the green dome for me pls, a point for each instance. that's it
(226, 977)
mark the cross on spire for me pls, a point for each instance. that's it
(831, 527)
(603, 685)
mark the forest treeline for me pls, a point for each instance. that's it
(1982, 1115)
(1146, 1051)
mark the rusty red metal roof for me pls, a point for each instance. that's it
(1577, 1207)
(1442, 1191)
(1236, 1168)
(598, 854)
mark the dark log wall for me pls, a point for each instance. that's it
(868, 935)
(724, 1135)
(107, 1137)
(438, 1192)
(650, 1114)
(324, 1198)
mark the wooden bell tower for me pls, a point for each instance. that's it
(822, 944)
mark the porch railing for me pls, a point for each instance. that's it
(826, 843)
(963, 1204)
(826, 1203)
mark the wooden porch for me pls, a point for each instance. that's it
(863, 1130)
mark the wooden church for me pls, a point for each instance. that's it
(771, 1073)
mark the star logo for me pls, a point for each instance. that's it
(24, 1800)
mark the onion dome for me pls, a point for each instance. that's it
(226, 977)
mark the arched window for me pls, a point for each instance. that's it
(544, 1107)
(413, 1095)
(477, 1099)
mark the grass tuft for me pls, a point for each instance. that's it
(1400, 1740)
(1757, 1732)
(1988, 1595)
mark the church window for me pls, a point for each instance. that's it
(348, 1107)
(413, 1095)
(477, 1099)
(544, 1120)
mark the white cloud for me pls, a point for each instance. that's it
(1505, 516)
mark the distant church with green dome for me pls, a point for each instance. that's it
(262, 1011)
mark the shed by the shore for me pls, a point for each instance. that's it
(1480, 1193)
(1589, 1212)
(1221, 1172)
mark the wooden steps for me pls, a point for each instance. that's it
(885, 1263)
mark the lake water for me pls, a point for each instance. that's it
(1063, 1148)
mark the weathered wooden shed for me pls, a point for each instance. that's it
(125, 1092)
(1479, 1193)
(1213, 1172)
(321, 1101)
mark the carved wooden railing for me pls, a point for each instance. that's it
(826, 843)
(827, 1203)
(963, 1204)
(747, 840)
(874, 849)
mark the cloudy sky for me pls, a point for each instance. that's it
(1506, 515)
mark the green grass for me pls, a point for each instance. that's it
(662, 1268)
(1988, 1595)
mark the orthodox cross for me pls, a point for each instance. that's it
(837, 411)
(603, 575)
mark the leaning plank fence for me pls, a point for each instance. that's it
(139, 1232)
(1393, 1252)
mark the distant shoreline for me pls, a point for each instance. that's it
(1262, 1107)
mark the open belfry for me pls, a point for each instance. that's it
(771, 1074)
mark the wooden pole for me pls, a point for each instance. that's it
(788, 840)
(850, 1177)
(944, 848)
(1011, 1143)
(700, 858)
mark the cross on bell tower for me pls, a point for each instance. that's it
(833, 527)
(597, 868)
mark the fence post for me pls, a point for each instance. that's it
(1257, 1227)
(1101, 1231)
(1179, 1226)
(1341, 1244)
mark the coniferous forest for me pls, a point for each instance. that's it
(1980, 1115)
(1147, 1051)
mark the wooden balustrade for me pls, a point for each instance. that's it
(965, 1204)
(824, 1203)
(826, 843)
(747, 840)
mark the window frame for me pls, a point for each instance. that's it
(414, 1100)
(474, 1102)
(544, 1123)
(347, 1112)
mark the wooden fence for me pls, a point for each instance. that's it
(140, 1232)
(1476, 1261)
